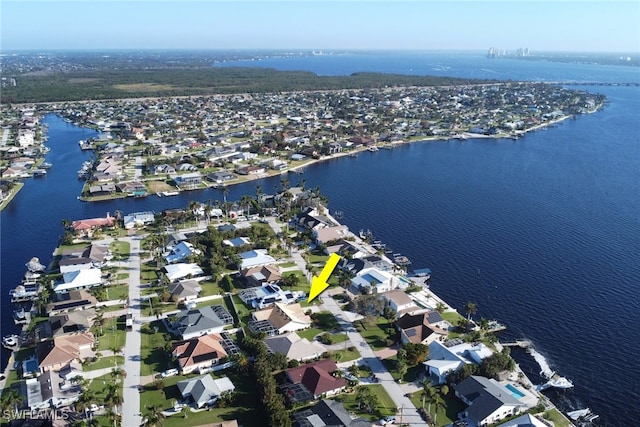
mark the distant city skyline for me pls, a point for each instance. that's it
(584, 26)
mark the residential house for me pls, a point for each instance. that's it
(279, 319)
(294, 347)
(181, 270)
(180, 252)
(327, 413)
(134, 189)
(138, 219)
(374, 280)
(264, 296)
(163, 169)
(79, 299)
(250, 170)
(421, 328)
(186, 290)
(399, 301)
(72, 322)
(315, 379)
(221, 177)
(202, 321)
(325, 235)
(525, 420)
(487, 401)
(255, 258)
(58, 352)
(87, 226)
(200, 352)
(261, 275)
(236, 242)
(204, 390)
(79, 279)
(448, 357)
(188, 180)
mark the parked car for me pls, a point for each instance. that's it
(387, 420)
(169, 373)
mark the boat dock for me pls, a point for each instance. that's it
(517, 343)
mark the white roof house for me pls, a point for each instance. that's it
(138, 219)
(255, 258)
(79, 279)
(372, 277)
(180, 252)
(444, 360)
(182, 270)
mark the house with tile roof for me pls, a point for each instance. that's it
(79, 299)
(197, 353)
(487, 401)
(294, 347)
(282, 318)
(58, 352)
(316, 378)
(261, 275)
(255, 258)
(186, 290)
(399, 301)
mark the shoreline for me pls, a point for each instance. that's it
(462, 137)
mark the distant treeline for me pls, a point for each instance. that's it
(117, 84)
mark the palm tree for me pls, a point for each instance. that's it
(429, 393)
(438, 403)
(155, 416)
(10, 400)
(470, 308)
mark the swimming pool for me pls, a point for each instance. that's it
(515, 392)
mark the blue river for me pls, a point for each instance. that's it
(543, 233)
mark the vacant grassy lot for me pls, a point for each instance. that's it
(154, 357)
(384, 408)
(113, 334)
(447, 414)
(376, 334)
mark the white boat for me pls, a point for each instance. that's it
(579, 413)
(170, 193)
(10, 342)
(19, 316)
(556, 381)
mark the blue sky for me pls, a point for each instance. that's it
(595, 26)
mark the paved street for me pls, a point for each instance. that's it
(131, 395)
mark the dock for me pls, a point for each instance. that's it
(517, 343)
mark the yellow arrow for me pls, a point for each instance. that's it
(319, 283)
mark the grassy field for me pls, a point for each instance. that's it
(412, 373)
(376, 334)
(154, 357)
(105, 362)
(447, 414)
(558, 419)
(114, 334)
(384, 408)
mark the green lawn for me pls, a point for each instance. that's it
(154, 357)
(243, 408)
(287, 264)
(385, 404)
(345, 355)
(452, 317)
(118, 291)
(413, 372)
(114, 334)
(558, 419)
(105, 362)
(447, 414)
(375, 334)
(120, 249)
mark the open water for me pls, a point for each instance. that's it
(543, 233)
